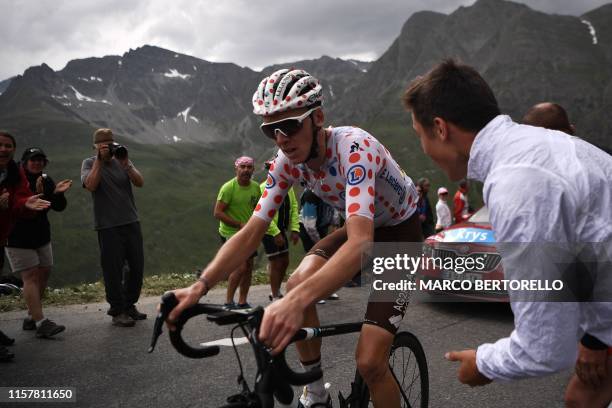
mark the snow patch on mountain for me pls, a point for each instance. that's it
(173, 73)
(591, 30)
(85, 98)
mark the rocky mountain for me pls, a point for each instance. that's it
(4, 84)
(153, 95)
(526, 56)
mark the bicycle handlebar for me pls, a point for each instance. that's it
(218, 314)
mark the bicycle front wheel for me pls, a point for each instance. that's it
(409, 369)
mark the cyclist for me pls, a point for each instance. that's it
(352, 171)
(538, 185)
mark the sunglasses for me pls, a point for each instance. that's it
(287, 126)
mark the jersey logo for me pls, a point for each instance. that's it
(355, 147)
(270, 182)
(355, 174)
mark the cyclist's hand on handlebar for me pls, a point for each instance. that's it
(186, 297)
(591, 366)
(468, 371)
(281, 320)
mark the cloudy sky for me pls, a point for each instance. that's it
(248, 33)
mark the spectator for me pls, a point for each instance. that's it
(458, 120)
(587, 383)
(29, 248)
(443, 213)
(550, 116)
(16, 202)
(316, 217)
(461, 206)
(109, 176)
(424, 208)
(235, 203)
(286, 218)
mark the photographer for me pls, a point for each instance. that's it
(29, 246)
(109, 176)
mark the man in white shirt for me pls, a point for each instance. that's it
(458, 121)
(443, 213)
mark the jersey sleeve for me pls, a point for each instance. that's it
(225, 193)
(281, 176)
(359, 161)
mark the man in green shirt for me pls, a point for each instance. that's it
(235, 203)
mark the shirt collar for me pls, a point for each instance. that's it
(482, 152)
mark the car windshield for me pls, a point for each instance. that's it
(481, 216)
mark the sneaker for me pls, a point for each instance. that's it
(5, 340)
(273, 298)
(311, 400)
(48, 329)
(5, 354)
(245, 305)
(333, 296)
(230, 306)
(135, 314)
(28, 324)
(123, 320)
(321, 302)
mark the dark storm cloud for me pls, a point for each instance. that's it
(240, 31)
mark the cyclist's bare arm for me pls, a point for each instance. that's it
(284, 317)
(231, 255)
(219, 213)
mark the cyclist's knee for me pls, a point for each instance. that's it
(372, 368)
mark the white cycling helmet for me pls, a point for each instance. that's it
(285, 90)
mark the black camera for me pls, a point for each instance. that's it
(117, 150)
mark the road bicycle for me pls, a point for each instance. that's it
(274, 378)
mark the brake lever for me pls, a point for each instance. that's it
(168, 302)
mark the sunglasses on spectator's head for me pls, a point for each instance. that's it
(287, 126)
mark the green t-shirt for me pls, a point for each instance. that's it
(241, 202)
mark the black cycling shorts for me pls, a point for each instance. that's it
(387, 315)
(253, 255)
(271, 248)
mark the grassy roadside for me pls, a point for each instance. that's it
(94, 292)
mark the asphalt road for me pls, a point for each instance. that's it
(109, 366)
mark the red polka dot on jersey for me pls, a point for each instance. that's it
(295, 173)
(339, 186)
(381, 198)
(275, 102)
(384, 162)
(402, 212)
(271, 213)
(258, 207)
(283, 185)
(306, 176)
(260, 102)
(392, 209)
(333, 198)
(287, 168)
(386, 203)
(354, 207)
(371, 191)
(278, 199)
(370, 173)
(328, 153)
(354, 158)
(409, 199)
(321, 174)
(271, 81)
(377, 159)
(265, 194)
(288, 98)
(372, 208)
(369, 156)
(325, 188)
(365, 142)
(354, 192)
(271, 167)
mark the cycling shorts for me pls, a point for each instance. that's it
(387, 315)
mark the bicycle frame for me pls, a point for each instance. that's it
(274, 377)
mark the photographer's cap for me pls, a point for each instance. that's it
(33, 152)
(103, 135)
